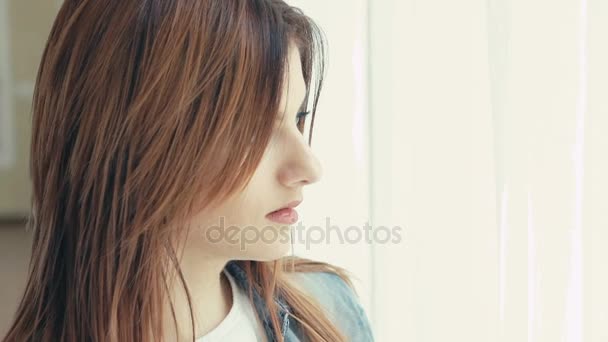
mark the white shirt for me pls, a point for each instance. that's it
(241, 323)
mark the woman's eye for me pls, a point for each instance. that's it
(301, 120)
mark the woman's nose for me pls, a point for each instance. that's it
(302, 166)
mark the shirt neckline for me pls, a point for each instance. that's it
(240, 277)
(231, 319)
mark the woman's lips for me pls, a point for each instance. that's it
(284, 216)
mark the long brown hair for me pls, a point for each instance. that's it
(143, 113)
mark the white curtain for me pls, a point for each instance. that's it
(480, 126)
(490, 123)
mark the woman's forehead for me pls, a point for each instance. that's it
(294, 90)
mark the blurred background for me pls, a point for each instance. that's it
(476, 126)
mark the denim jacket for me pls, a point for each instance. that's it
(337, 299)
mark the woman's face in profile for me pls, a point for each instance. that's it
(239, 228)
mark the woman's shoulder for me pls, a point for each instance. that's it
(337, 298)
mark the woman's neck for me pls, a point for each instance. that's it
(210, 293)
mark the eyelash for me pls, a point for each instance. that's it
(300, 123)
(301, 115)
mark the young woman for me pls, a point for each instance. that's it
(163, 133)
